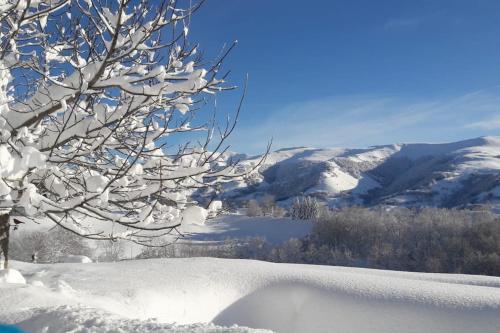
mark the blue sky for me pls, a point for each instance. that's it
(357, 73)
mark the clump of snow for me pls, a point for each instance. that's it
(215, 206)
(11, 276)
(194, 215)
(37, 283)
(96, 183)
(77, 259)
(63, 287)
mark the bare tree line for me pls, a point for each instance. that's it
(424, 240)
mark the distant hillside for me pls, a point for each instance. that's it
(445, 175)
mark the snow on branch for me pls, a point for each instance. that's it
(94, 95)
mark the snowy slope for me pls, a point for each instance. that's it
(281, 297)
(449, 175)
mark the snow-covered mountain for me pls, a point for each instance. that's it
(446, 175)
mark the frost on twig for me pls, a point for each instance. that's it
(98, 111)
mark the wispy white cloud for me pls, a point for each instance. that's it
(402, 23)
(486, 124)
(357, 121)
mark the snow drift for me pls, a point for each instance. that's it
(77, 259)
(279, 297)
(11, 276)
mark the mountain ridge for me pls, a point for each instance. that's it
(453, 174)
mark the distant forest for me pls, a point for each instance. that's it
(423, 240)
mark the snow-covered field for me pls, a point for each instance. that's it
(274, 230)
(214, 295)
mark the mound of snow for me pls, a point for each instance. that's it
(11, 276)
(124, 296)
(37, 283)
(76, 259)
(78, 319)
(194, 215)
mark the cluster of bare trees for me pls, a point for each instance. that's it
(305, 208)
(41, 246)
(267, 206)
(54, 246)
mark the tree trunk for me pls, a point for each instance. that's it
(4, 238)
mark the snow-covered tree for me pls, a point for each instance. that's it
(305, 208)
(99, 125)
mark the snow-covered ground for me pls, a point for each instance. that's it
(274, 230)
(213, 295)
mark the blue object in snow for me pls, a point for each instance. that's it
(9, 329)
